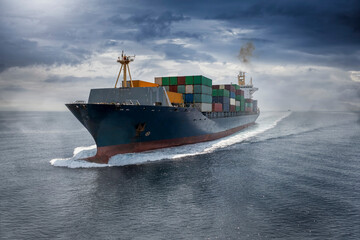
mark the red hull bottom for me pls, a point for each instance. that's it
(105, 153)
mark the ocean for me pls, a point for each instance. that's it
(293, 175)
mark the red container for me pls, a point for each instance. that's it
(248, 100)
(238, 92)
(229, 87)
(242, 92)
(217, 107)
(232, 108)
(181, 80)
(173, 88)
(215, 86)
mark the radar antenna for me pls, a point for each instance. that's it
(124, 61)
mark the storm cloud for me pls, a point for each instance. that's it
(65, 42)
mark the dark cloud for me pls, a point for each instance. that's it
(16, 51)
(180, 53)
(149, 25)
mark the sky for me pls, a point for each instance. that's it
(306, 53)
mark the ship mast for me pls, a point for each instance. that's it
(124, 61)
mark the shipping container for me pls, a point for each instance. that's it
(139, 83)
(202, 89)
(189, 88)
(201, 80)
(238, 97)
(226, 108)
(181, 80)
(215, 99)
(230, 87)
(248, 100)
(189, 80)
(238, 92)
(215, 86)
(224, 100)
(238, 108)
(203, 107)
(202, 98)
(173, 81)
(217, 107)
(232, 95)
(222, 86)
(236, 86)
(232, 101)
(232, 108)
(173, 88)
(215, 92)
(165, 81)
(158, 80)
(189, 98)
(175, 97)
(237, 103)
(223, 92)
(181, 88)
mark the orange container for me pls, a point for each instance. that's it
(175, 97)
(139, 83)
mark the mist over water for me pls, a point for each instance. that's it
(291, 176)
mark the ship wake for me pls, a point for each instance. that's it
(265, 122)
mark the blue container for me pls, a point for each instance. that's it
(224, 100)
(232, 95)
(215, 99)
(226, 107)
(189, 98)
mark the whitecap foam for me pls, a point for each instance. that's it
(265, 122)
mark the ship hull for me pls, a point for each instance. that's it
(120, 129)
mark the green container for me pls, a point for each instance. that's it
(238, 98)
(202, 89)
(238, 108)
(201, 80)
(242, 105)
(202, 98)
(165, 81)
(181, 89)
(215, 92)
(223, 93)
(237, 87)
(173, 80)
(189, 80)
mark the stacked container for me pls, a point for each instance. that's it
(248, 105)
(195, 89)
(221, 96)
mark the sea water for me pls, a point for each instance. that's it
(293, 175)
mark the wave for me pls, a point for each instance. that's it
(265, 122)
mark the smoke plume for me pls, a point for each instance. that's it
(246, 52)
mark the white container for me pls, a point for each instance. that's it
(204, 107)
(232, 101)
(158, 80)
(237, 103)
(221, 86)
(189, 89)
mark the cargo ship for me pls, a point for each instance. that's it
(172, 111)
